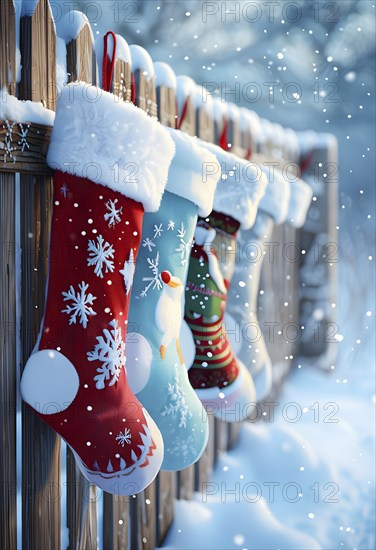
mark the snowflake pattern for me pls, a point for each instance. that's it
(158, 231)
(177, 403)
(170, 225)
(149, 243)
(128, 272)
(8, 145)
(154, 282)
(82, 303)
(124, 438)
(110, 351)
(113, 214)
(23, 135)
(184, 246)
(100, 253)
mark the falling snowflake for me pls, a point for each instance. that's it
(170, 225)
(99, 256)
(81, 304)
(113, 214)
(149, 243)
(158, 231)
(155, 281)
(125, 437)
(64, 190)
(184, 246)
(110, 350)
(128, 271)
(177, 403)
(23, 135)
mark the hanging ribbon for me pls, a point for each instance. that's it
(248, 154)
(183, 114)
(306, 162)
(133, 89)
(108, 65)
(223, 143)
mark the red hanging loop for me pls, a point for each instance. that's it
(133, 89)
(108, 68)
(223, 143)
(248, 154)
(183, 114)
(306, 162)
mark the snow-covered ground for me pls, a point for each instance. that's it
(309, 483)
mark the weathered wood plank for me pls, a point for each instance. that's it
(8, 335)
(146, 96)
(220, 436)
(166, 106)
(40, 445)
(8, 363)
(204, 467)
(81, 58)
(186, 483)
(30, 160)
(38, 56)
(81, 508)
(7, 46)
(233, 430)
(165, 495)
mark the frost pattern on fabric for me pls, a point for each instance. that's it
(128, 272)
(82, 303)
(177, 404)
(113, 215)
(100, 253)
(110, 351)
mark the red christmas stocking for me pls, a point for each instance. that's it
(221, 381)
(112, 162)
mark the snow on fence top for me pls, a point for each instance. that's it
(12, 108)
(28, 7)
(219, 109)
(141, 60)
(71, 24)
(201, 98)
(184, 88)
(164, 75)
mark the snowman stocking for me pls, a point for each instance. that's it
(282, 201)
(158, 374)
(76, 379)
(220, 380)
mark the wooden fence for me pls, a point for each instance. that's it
(45, 502)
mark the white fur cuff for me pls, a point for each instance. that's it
(100, 137)
(194, 172)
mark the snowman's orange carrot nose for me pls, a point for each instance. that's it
(166, 277)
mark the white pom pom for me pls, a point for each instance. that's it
(139, 358)
(49, 382)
